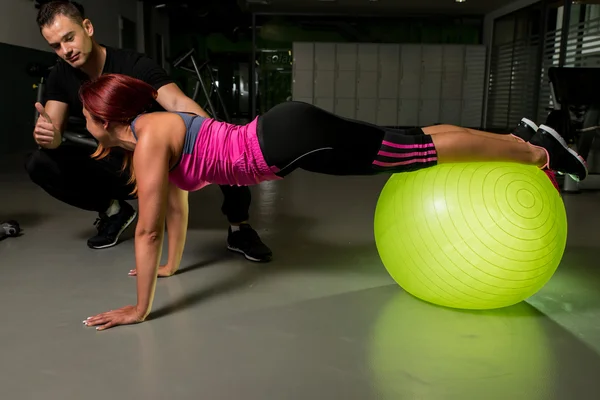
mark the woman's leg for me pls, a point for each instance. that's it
(457, 144)
(299, 135)
(545, 149)
(437, 129)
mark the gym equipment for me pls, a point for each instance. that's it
(81, 137)
(197, 71)
(9, 229)
(40, 72)
(576, 112)
(471, 235)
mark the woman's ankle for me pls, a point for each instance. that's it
(541, 158)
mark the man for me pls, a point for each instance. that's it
(67, 172)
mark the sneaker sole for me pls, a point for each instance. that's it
(564, 144)
(530, 123)
(125, 226)
(235, 249)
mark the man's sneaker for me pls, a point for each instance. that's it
(111, 228)
(561, 158)
(525, 130)
(247, 242)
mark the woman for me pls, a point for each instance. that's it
(173, 153)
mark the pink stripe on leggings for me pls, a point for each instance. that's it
(395, 164)
(405, 155)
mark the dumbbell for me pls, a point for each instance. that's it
(9, 229)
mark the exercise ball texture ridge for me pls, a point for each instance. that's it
(471, 235)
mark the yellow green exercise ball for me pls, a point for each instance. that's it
(471, 235)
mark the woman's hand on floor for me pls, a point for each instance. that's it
(163, 271)
(122, 316)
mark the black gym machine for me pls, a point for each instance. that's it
(575, 93)
(198, 70)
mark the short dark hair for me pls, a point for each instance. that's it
(51, 9)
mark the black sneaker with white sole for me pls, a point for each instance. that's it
(246, 241)
(111, 228)
(525, 130)
(562, 159)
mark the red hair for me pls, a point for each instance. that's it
(116, 98)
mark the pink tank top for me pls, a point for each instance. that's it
(220, 153)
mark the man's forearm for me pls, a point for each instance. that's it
(188, 105)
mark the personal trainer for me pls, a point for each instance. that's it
(68, 172)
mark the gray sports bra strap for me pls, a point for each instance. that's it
(133, 126)
(188, 119)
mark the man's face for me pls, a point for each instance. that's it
(71, 41)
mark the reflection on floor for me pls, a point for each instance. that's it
(322, 321)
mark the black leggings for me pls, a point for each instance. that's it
(299, 135)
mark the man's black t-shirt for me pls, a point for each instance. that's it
(64, 81)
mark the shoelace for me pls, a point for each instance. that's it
(101, 223)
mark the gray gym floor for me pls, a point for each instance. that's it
(322, 321)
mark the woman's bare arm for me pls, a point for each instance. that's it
(177, 225)
(151, 165)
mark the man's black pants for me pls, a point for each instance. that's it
(70, 175)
